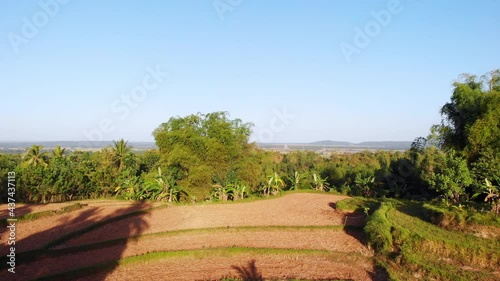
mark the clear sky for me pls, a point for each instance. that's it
(89, 70)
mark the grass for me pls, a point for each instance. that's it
(416, 241)
(357, 205)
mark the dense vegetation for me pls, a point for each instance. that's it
(209, 157)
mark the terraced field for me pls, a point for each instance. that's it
(296, 236)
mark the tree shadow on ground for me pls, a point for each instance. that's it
(46, 256)
(249, 272)
(19, 211)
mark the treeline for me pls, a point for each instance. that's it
(209, 157)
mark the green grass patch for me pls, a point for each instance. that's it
(424, 241)
(378, 230)
(357, 204)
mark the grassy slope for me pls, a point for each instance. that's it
(411, 248)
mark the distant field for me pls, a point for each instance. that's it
(297, 236)
(324, 147)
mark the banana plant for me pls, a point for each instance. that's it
(219, 193)
(275, 184)
(320, 183)
(164, 187)
(129, 189)
(492, 195)
(236, 191)
(296, 180)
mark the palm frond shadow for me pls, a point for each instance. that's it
(249, 272)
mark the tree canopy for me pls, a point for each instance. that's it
(203, 149)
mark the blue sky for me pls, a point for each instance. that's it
(66, 80)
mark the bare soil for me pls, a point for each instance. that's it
(213, 226)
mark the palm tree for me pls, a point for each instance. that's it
(34, 156)
(58, 151)
(120, 149)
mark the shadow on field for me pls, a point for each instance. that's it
(19, 211)
(249, 272)
(44, 256)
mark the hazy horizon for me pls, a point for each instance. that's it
(301, 71)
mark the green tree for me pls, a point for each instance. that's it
(203, 149)
(451, 177)
(471, 120)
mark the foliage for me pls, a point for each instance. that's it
(451, 177)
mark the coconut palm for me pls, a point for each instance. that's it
(58, 151)
(35, 157)
(120, 149)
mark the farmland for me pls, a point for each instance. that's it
(298, 235)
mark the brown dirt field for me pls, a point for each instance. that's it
(33, 234)
(275, 267)
(298, 209)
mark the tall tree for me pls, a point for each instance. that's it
(203, 149)
(471, 120)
